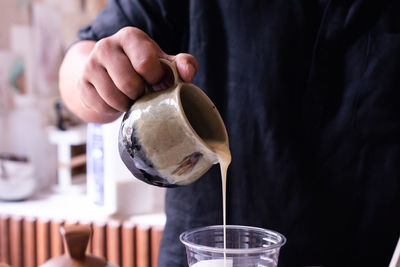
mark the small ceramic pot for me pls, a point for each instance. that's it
(76, 238)
(163, 137)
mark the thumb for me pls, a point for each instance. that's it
(187, 66)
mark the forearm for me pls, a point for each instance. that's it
(70, 72)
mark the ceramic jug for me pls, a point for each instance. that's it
(76, 238)
(163, 138)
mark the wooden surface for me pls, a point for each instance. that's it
(16, 241)
(4, 238)
(99, 239)
(56, 241)
(114, 242)
(42, 241)
(128, 245)
(29, 240)
(143, 246)
(155, 241)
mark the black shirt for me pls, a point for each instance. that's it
(310, 94)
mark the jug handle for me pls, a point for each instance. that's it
(169, 80)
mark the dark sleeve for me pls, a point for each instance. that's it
(166, 21)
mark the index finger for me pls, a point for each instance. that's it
(143, 54)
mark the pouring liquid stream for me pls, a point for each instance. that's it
(224, 158)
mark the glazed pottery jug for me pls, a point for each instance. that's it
(76, 238)
(163, 137)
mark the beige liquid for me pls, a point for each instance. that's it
(224, 159)
(192, 104)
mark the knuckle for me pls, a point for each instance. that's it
(132, 87)
(129, 32)
(90, 66)
(91, 98)
(102, 107)
(106, 91)
(132, 38)
(127, 85)
(144, 65)
(83, 90)
(103, 47)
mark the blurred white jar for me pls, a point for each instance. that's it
(109, 183)
(24, 135)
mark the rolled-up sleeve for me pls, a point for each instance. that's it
(166, 21)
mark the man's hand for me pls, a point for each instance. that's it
(99, 80)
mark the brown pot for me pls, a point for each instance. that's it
(76, 238)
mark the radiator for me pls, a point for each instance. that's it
(29, 242)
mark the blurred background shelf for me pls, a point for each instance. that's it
(29, 231)
(35, 34)
(74, 207)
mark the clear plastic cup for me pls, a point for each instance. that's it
(245, 246)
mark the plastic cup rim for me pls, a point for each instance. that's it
(280, 238)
